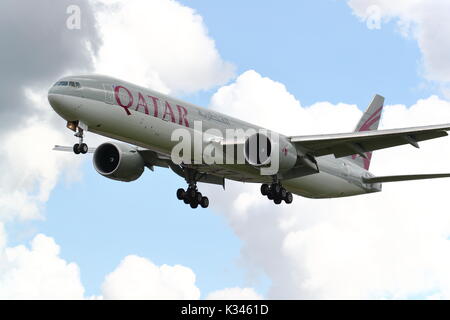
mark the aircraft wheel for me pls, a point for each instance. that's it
(204, 202)
(194, 204)
(83, 148)
(191, 193)
(276, 188)
(76, 148)
(277, 200)
(265, 189)
(180, 194)
(283, 193)
(186, 198)
(270, 195)
(198, 197)
(288, 199)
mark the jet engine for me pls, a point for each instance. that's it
(262, 151)
(118, 161)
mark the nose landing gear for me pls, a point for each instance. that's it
(276, 193)
(80, 147)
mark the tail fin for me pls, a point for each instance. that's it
(369, 121)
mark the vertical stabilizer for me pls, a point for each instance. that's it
(369, 121)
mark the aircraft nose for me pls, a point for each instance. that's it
(54, 100)
(60, 104)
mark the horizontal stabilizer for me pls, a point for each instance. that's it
(70, 149)
(406, 177)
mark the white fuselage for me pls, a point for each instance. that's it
(147, 119)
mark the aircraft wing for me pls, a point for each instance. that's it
(346, 144)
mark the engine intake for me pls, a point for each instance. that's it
(258, 149)
(275, 152)
(118, 161)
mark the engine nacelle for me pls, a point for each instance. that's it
(118, 161)
(262, 151)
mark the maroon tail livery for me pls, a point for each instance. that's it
(369, 121)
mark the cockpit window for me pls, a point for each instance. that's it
(74, 84)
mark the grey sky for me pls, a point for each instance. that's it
(37, 48)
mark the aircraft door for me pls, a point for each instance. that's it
(109, 93)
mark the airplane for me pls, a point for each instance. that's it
(142, 121)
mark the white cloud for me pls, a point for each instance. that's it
(29, 127)
(167, 46)
(38, 272)
(30, 169)
(139, 278)
(265, 102)
(425, 20)
(392, 244)
(234, 294)
(2, 237)
(171, 51)
(391, 251)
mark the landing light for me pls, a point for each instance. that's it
(72, 125)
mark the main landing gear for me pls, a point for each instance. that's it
(80, 147)
(192, 197)
(276, 193)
